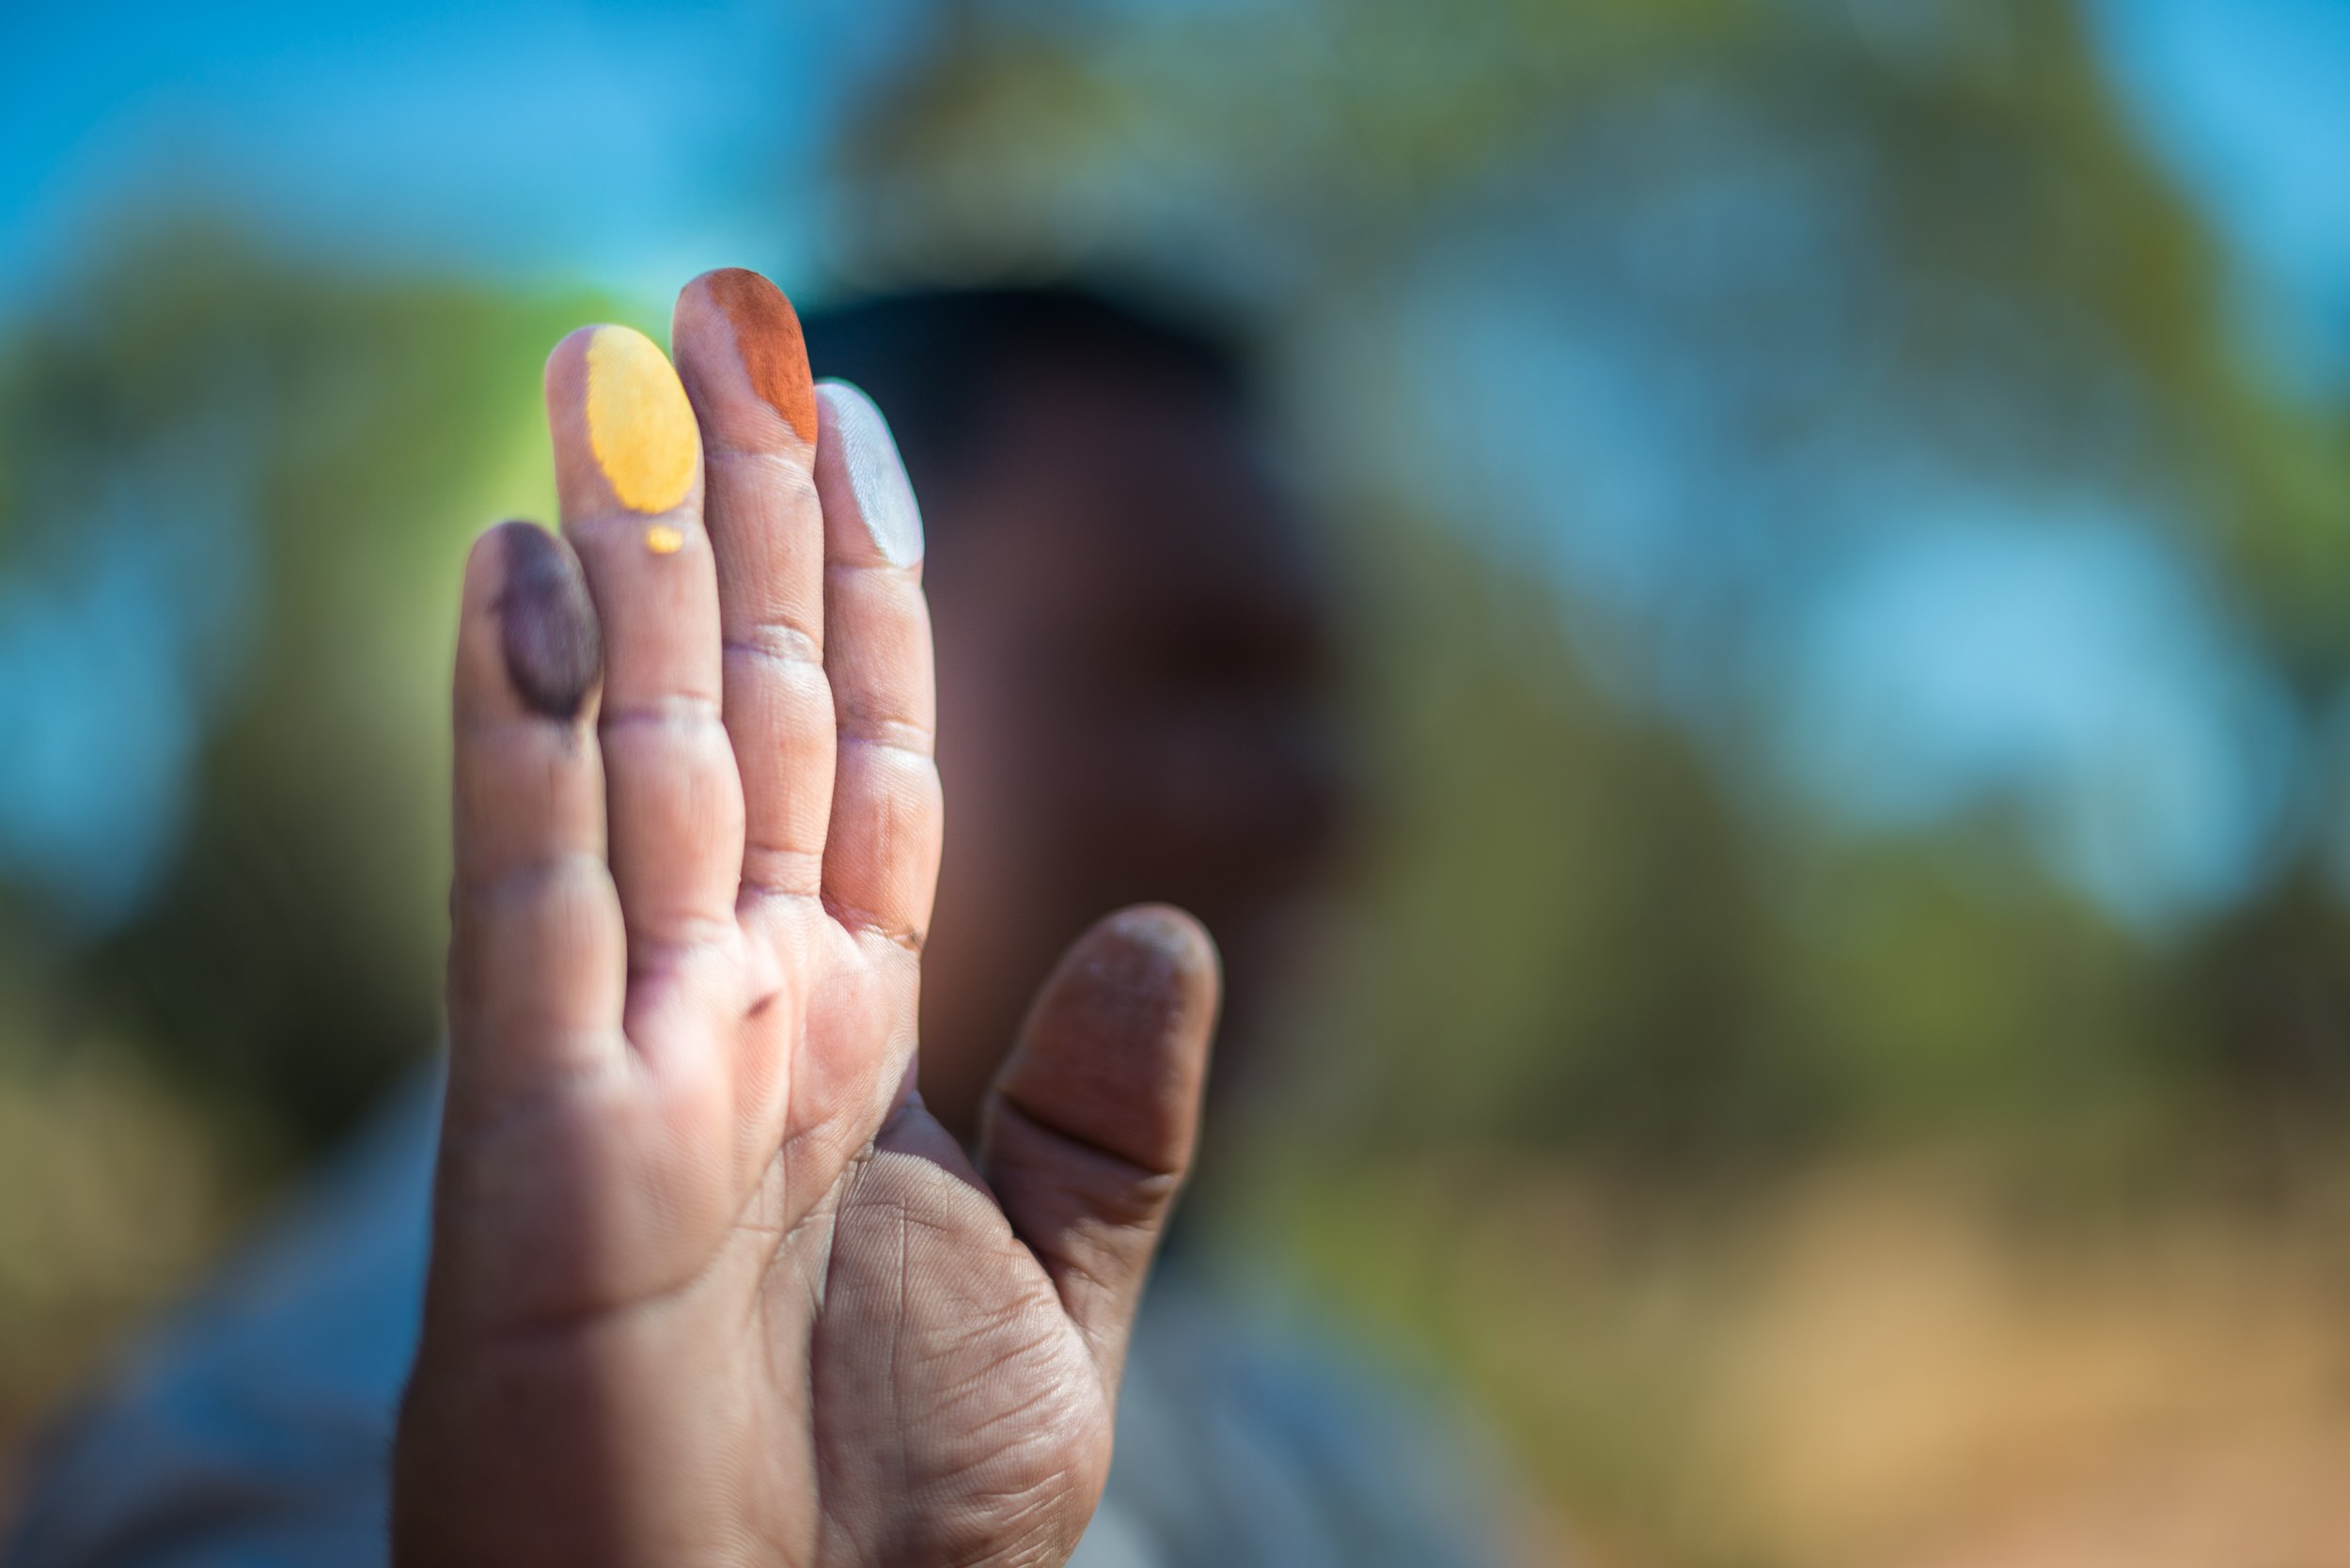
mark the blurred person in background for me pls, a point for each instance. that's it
(1136, 687)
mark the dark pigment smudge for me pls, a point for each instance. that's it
(547, 624)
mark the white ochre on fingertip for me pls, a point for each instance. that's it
(877, 476)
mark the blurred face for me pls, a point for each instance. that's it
(1135, 700)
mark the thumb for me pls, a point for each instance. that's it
(1088, 1134)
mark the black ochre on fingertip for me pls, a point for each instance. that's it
(547, 625)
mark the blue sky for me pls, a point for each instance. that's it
(626, 145)
(2248, 101)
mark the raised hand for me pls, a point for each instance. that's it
(708, 1283)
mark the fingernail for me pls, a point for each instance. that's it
(547, 624)
(877, 478)
(640, 428)
(767, 335)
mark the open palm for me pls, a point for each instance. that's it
(708, 1283)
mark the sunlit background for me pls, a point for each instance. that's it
(1842, 1052)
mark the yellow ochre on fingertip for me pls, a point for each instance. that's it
(639, 424)
(661, 539)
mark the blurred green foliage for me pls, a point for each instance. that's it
(287, 958)
(1579, 936)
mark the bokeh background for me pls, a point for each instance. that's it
(1841, 1050)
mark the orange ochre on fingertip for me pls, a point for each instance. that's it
(767, 334)
(640, 427)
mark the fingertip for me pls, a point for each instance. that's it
(860, 474)
(623, 429)
(1149, 958)
(1168, 935)
(1115, 1051)
(733, 323)
(548, 635)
